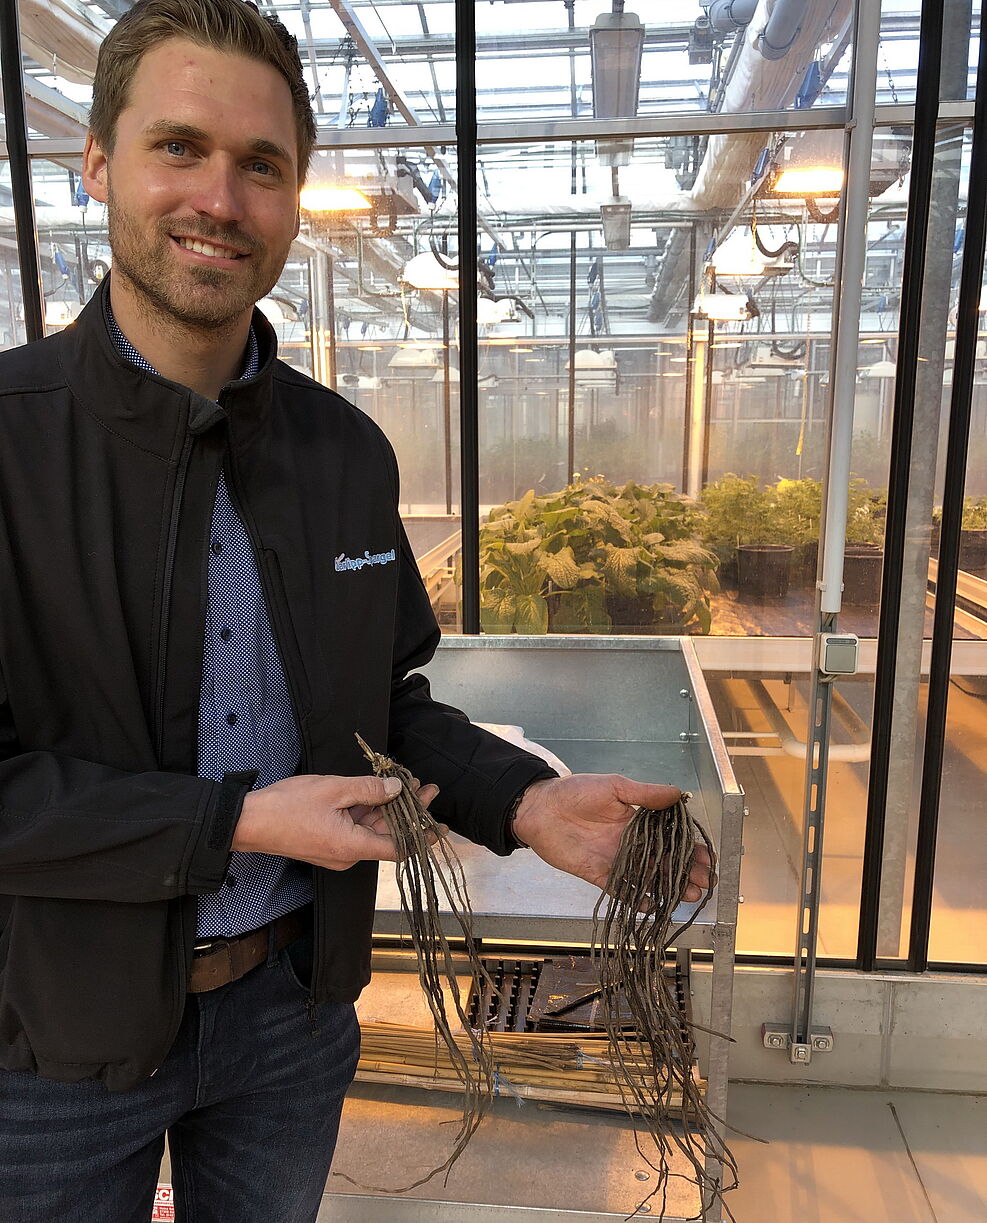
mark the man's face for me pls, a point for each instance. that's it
(202, 184)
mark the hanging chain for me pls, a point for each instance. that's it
(887, 69)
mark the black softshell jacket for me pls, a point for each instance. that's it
(107, 482)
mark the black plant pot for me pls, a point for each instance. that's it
(973, 551)
(632, 614)
(862, 564)
(763, 570)
(805, 562)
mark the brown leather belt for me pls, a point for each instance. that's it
(218, 961)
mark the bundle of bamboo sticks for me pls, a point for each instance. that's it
(565, 1068)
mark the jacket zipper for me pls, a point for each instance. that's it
(163, 632)
(169, 569)
(275, 612)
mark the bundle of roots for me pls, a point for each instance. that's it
(429, 872)
(650, 1046)
(632, 928)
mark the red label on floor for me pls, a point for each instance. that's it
(164, 1205)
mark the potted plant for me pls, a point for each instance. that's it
(863, 557)
(743, 525)
(595, 557)
(798, 512)
(973, 535)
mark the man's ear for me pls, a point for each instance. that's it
(95, 170)
(298, 222)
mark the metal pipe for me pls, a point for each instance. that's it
(782, 28)
(974, 239)
(909, 330)
(32, 293)
(469, 407)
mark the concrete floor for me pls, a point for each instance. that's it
(831, 1155)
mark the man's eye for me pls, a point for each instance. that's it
(262, 167)
(176, 148)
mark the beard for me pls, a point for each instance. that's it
(200, 299)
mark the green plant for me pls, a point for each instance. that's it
(974, 514)
(866, 514)
(562, 556)
(739, 511)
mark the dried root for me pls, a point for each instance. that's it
(632, 928)
(427, 869)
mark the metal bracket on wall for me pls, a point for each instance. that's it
(779, 1036)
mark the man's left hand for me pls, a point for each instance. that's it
(575, 824)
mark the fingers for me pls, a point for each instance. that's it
(645, 794)
(427, 795)
(363, 791)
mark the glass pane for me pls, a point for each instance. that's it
(393, 63)
(12, 330)
(898, 52)
(692, 328)
(958, 932)
(544, 60)
(382, 266)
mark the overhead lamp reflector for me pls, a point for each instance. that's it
(616, 217)
(880, 369)
(817, 181)
(424, 271)
(725, 307)
(740, 256)
(333, 199)
(409, 359)
(616, 42)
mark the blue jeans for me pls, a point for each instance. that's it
(250, 1097)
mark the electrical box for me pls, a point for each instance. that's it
(838, 653)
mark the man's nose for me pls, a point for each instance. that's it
(219, 191)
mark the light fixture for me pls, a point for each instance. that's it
(725, 307)
(333, 199)
(425, 271)
(490, 312)
(595, 369)
(520, 350)
(440, 375)
(60, 313)
(740, 256)
(616, 44)
(880, 369)
(615, 215)
(810, 168)
(415, 358)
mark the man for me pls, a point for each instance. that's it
(188, 842)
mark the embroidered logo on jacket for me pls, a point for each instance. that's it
(344, 562)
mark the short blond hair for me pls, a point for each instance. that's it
(234, 26)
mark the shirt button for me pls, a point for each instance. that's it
(231, 719)
(226, 633)
(231, 881)
(217, 547)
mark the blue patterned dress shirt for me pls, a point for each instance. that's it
(246, 720)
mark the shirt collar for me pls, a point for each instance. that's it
(127, 350)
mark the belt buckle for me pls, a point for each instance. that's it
(209, 946)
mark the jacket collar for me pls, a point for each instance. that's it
(150, 411)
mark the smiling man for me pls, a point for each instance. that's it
(188, 842)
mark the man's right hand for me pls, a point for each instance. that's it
(329, 821)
